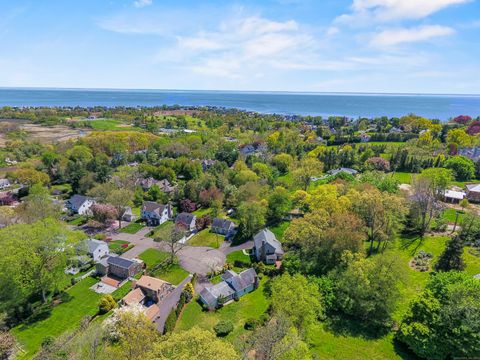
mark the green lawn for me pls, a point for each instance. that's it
(206, 238)
(109, 125)
(450, 215)
(116, 246)
(172, 273)
(132, 228)
(77, 220)
(64, 317)
(238, 255)
(252, 305)
(202, 211)
(403, 177)
(327, 345)
(163, 231)
(279, 229)
(153, 257)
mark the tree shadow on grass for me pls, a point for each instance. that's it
(341, 325)
(412, 242)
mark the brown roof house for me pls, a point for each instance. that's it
(473, 192)
(148, 292)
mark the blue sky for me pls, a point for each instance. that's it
(424, 46)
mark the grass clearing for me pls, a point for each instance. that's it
(172, 273)
(206, 238)
(116, 247)
(451, 214)
(109, 125)
(132, 228)
(64, 317)
(202, 211)
(403, 177)
(77, 220)
(251, 305)
(163, 231)
(279, 229)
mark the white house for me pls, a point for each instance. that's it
(4, 183)
(97, 249)
(156, 214)
(79, 204)
(186, 220)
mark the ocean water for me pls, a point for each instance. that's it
(440, 107)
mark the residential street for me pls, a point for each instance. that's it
(170, 303)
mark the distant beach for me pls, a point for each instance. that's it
(440, 107)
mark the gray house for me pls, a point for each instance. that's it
(232, 287)
(156, 214)
(222, 226)
(349, 171)
(97, 249)
(4, 183)
(266, 247)
(186, 220)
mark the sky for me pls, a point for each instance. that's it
(394, 46)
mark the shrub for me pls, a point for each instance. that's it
(107, 303)
(170, 322)
(250, 324)
(189, 292)
(223, 328)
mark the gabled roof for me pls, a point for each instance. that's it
(222, 223)
(134, 297)
(212, 293)
(265, 236)
(4, 182)
(93, 244)
(151, 206)
(242, 280)
(152, 312)
(228, 274)
(185, 218)
(473, 187)
(345, 170)
(152, 283)
(120, 262)
(77, 200)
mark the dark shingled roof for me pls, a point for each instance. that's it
(120, 261)
(77, 200)
(222, 223)
(242, 280)
(185, 218)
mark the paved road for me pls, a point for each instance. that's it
(227, 249)
(169, 304)
(200, 259)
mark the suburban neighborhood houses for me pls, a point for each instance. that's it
(246, 227)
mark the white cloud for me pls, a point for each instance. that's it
(142, 3)
(394, 37)
(365, 11)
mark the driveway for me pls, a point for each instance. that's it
(226, 249)
(200, 259)
(169, 304)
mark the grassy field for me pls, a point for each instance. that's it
(77, 220)
(202, 211)
(116, 246)
(109, 125)
(206, 238)
(252, 305)
(132, 228)
(403, 177)
(238, 256)
(172, 273)
(279, 229)
(163, 231)
(450, 215)
(65, 316)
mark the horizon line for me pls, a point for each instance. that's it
(237, 91)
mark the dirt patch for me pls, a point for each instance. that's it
(46, 135)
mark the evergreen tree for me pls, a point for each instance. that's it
(451, 258)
